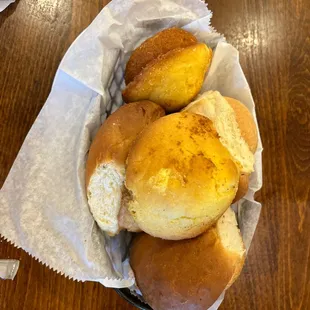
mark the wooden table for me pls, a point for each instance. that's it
(273, 39)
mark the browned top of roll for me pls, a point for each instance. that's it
(161, 43)
(188, 274)
(118, 132)
(181, 177)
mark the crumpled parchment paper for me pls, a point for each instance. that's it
(43, 202)
(5, 3)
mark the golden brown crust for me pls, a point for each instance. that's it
(173, 79)
(246, 123)
(181, 177)
(238, 268)
(186, 274)
(242, 187)
(161, 43)
(118, 132)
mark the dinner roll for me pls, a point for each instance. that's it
(173, 79)
(182, 179)
(105, 167)
(188, 274)
(161, 43)
(214, 106)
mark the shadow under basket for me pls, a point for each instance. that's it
(125, 293)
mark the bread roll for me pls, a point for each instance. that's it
(188, 274)
(245, 122)
(214, 106)
(105, 167)
(172, 80)
(161, 43)
(249, 133)
(181, 177)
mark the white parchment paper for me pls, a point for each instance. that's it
(43, 203)
(8, 268)
(5, 3)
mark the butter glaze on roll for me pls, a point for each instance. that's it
(159, 44)
(236, 128)
(182, 179)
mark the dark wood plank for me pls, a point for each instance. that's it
(273, 39)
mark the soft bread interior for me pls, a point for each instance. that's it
(214, 106)
(229, 233)
(245, 122)
(104, 196)
(105, 166)
(231, 240)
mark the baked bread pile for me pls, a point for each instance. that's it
(169, 164)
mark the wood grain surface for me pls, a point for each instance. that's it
(273, 39)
